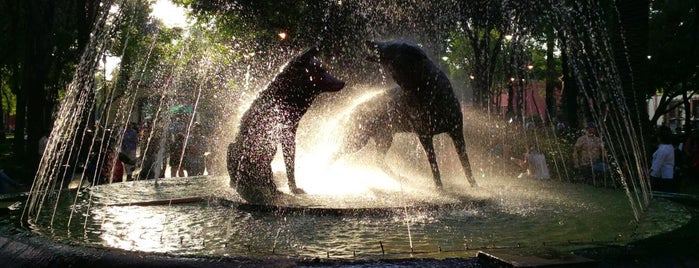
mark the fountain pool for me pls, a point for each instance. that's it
(532, 216)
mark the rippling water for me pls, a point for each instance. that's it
(501, 213)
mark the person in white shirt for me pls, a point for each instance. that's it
(535, 164)
(663, 164)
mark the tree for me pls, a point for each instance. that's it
(552, 73)
(496, 45)
(8, 61)
(673, 58)
(132, 40)
(46, 61)
(630, 51)
(485, 26)
(570, 95)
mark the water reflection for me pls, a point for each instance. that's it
(505, 212)
(133, 228)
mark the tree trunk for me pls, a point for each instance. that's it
(510, 99)
(18, 144)
(686, 99)
(486, 48)
(481, 72)
(569, 103)
(86, 21)
(37, 56)
(2, 112)
(20, 122)
(551, 110)
(630, 52)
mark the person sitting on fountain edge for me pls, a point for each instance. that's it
(535, 164)
(589, 155)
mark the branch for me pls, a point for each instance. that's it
(664, 106)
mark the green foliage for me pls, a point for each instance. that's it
(673, 34)
(250, 21)
(132, 40)
(538, 60)
(460, 55)
(673, 63)
(7, 97)
(512, 58)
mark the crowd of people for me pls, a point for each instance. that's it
(187, 153)
(675, 160)
(675, 157)
(102, 156)
(181, 148)
(588, 157)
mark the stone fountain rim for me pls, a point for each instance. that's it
(27, 248)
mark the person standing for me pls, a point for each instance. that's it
(691, 149)
(176, 144)
(128, 147)
(663, 163)
(194, 159)
(113, 169)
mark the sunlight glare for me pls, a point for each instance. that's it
(316, 172)
(170, 14)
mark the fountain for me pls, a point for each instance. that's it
(352, 210)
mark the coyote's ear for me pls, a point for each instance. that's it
(310, 52)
